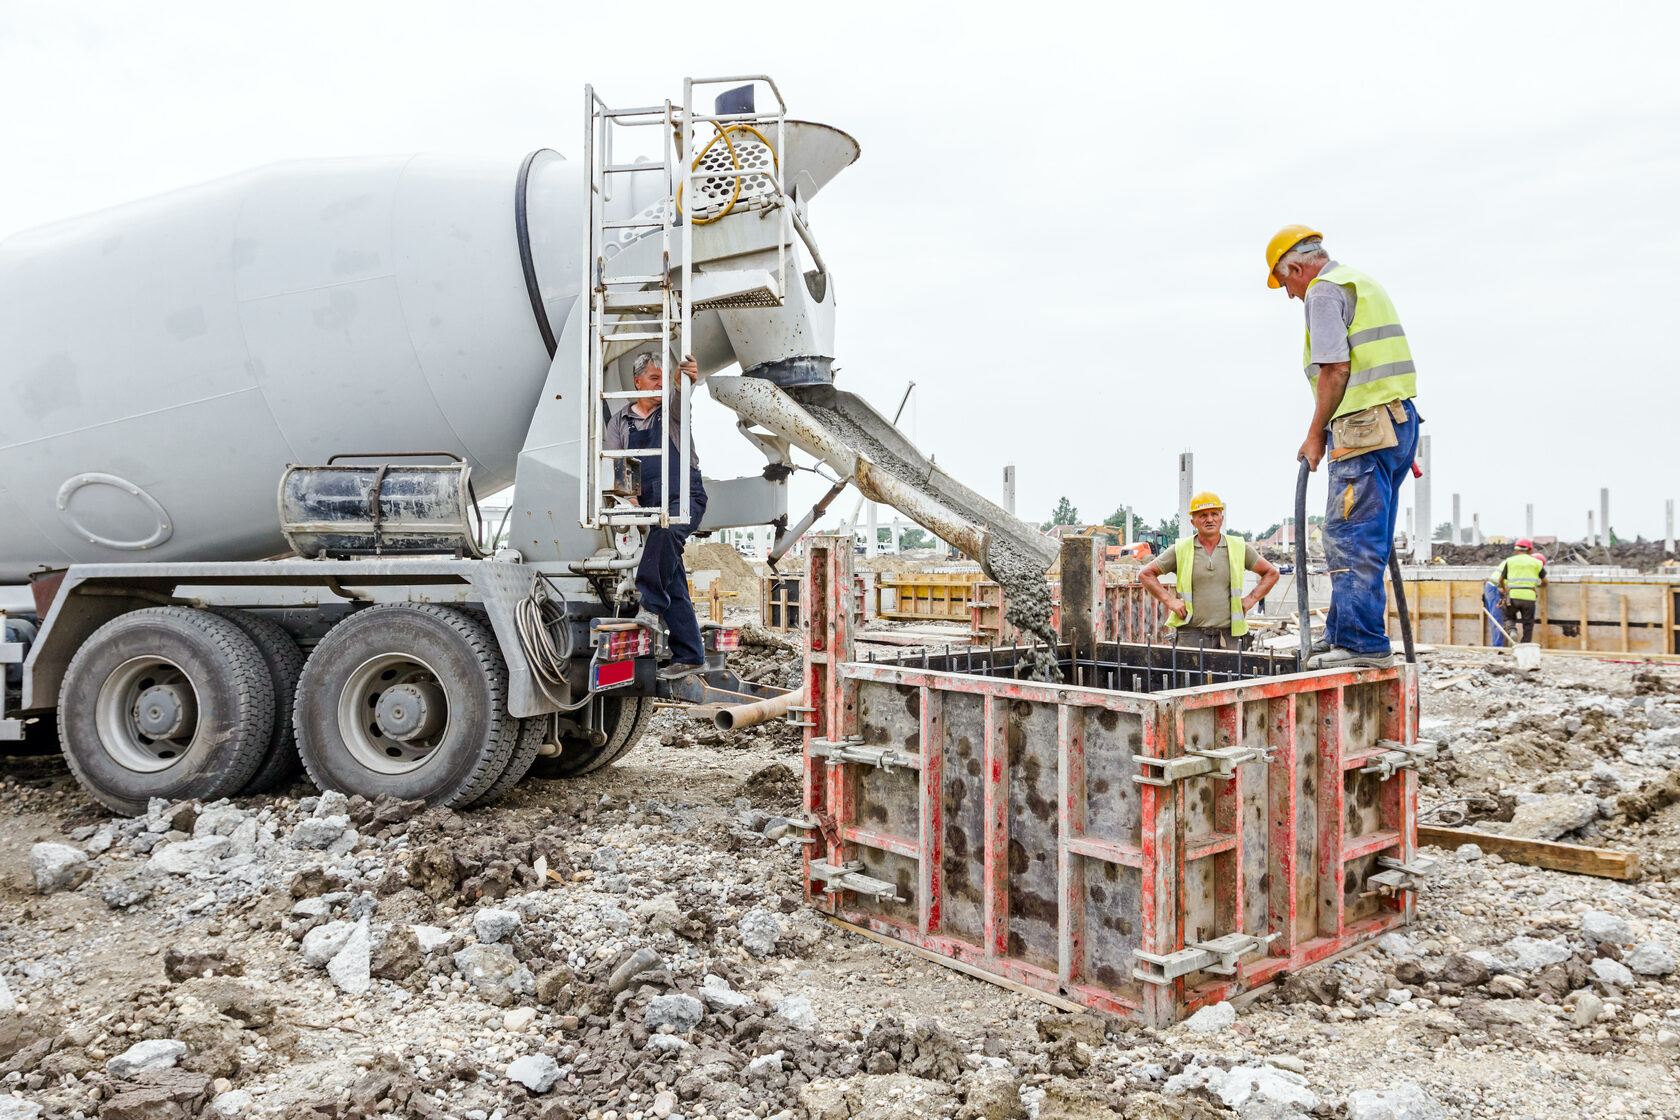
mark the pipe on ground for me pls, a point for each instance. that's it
(747, 715)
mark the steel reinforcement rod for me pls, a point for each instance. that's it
(1400, 606)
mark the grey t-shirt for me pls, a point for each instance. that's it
(1210, 587)
(1329, 310)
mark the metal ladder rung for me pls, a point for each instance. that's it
(610, 281)
(645, 223)
(644, 336)
(634, 453)
(627, 394)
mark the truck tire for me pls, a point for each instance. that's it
(444, 738)
(624, 718)
(166, 702)
(532, 732)
(280, 763)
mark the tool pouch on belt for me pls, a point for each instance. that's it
(1370, 430)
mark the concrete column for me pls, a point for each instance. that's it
(1604, 516)
(1421, 546)
(1476, 529)
(1591, 538)
(874, 530)
(1528, 522)
(1411, 527)
(1009, 488)
(1458, 532)
(1186, 487)
(1131, 535)
(1668, 526)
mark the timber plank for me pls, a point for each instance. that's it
(1549, 854)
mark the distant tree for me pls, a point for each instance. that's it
(915, 538)
(1443, 531)
(1117, 519)
(1167, 530)
(1065, 513)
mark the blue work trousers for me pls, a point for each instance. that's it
(1359, 536)
(1490, 600)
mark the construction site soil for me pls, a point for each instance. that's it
(1644, 556)
(633, 944)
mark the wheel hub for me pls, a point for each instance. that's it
(163, 711)
(409, 711)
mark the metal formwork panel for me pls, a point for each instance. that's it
(1027, 829)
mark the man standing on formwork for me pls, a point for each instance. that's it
(1360, 370)
(1521, 577)
(1208, 602)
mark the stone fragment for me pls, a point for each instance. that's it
(492, 924)
(431, 938)
(322, 943)
(537, 1072)
(518, 1019)
(189, 856)
(1212, 1019)
(146, 1057)
(1396, 945)
(1587, 1007)
(16, 1108)
(1469, 853)
(1600, 925)
(1614, 973)
(1406, 1101)
(57, 867)
(668, 1043)
(175, 1094)
(765, 1065)
(492, 967)
(231, 1105)
(131, 891)
(797, 1010)
(351, 967)
(1650, 958)
(318, 833)
(682, 1013)
(759, 930)
(1055, 1026)
(183, 964)
(719, 996)
(1552, 817)
(661, 914)
(642, 960)
(664, 1103)
(218, 820)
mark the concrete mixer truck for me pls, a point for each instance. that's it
(248, 424)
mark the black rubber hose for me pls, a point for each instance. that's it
(1303, 618)
(1400, 606)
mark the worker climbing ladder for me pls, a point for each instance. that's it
(736, 170)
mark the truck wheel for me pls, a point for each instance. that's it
(406, 699)
(623, 718)
(280, 653)
(532, 732)
(166, 702)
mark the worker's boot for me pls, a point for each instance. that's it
(647, 620)
(1338, 658)
(676, 670)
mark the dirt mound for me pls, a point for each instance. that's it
(1646, 556)
(775, 786)
(734, 572)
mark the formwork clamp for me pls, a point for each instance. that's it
(1219, 956)
(849, 876)
(836, 752)
(1219, 762)
(1397, 756)
(1398, 875)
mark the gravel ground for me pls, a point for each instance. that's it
(633, 945)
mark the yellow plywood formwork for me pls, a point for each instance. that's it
(926, 596)
(1603, 616)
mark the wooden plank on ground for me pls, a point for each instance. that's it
(1576, 858)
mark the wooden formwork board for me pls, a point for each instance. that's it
(1006, 820)
(929, 596)
(1620, 616)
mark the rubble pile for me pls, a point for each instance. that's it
(634, 945)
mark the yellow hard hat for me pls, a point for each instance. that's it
(1282, 241)
(1207, 499)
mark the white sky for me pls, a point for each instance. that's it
(1056, 227)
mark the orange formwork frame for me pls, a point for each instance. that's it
(1144, 853)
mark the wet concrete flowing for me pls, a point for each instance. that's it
(1021, 574)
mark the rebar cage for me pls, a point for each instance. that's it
(1168, 828)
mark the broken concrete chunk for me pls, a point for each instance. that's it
(57, 867)
(146, 1057)
(537, 1072)
(1406, 1101)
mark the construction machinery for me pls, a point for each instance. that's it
(251, 421)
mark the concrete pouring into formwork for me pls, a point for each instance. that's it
(1167, 829)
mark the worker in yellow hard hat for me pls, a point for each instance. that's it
(1359, 369)
(1207, 603)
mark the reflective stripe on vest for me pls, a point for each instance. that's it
(1185, 558)
(1379, 359)
(1522, 576)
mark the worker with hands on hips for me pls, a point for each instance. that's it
(1208, 602)
(1359, 369)
(661, 581)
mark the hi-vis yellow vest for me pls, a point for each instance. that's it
(1522, 577)
(1380, 365)
(1185, 556)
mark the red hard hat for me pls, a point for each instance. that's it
(1525, 544)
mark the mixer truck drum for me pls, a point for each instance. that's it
(167, 702)
(407, 700)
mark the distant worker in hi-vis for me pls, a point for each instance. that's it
(1359, 368)
(1208, 605)
(1520, 579)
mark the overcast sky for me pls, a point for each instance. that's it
(1057, 225)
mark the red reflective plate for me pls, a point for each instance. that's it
(614, 673)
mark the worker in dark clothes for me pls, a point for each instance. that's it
(1521, 577)
(661, 581)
